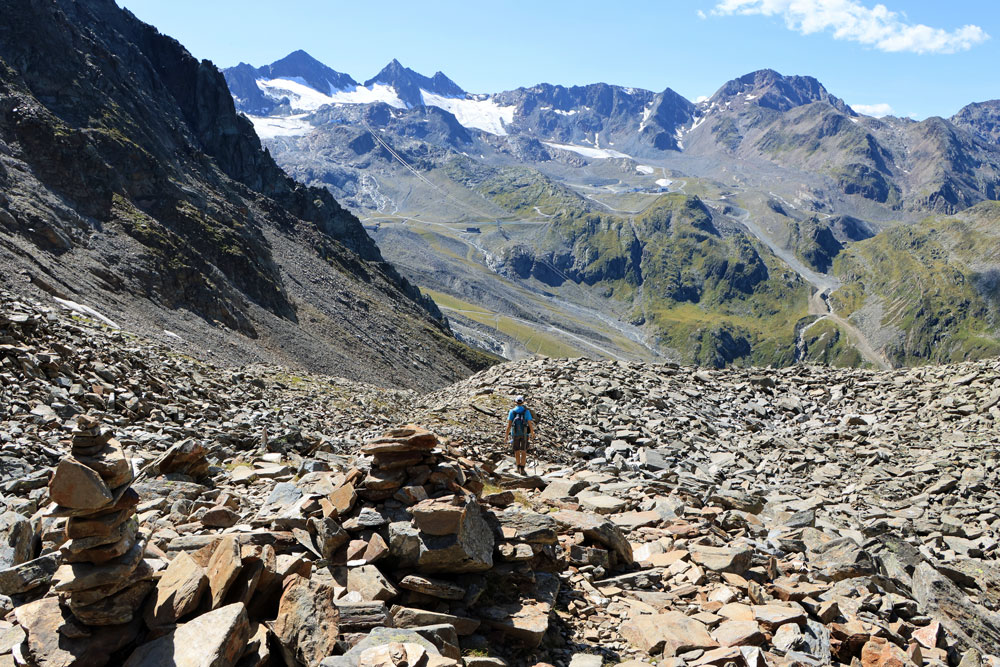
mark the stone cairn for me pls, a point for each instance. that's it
(103, 578)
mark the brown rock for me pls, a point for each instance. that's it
(670, 633)
(438, 588)
(738, 633)
(110, 463)
(76, 486)
(144, 572)
(394, 654)
(101, 549)
(308, 621)
(439, 516)
(223, 568)
(72, 577)
(406, 617)
(376, 549)
(927, 636)
(599, 529)
(215, 639)
(116, 609)
(93, 526)
(126, 499)
(55, 639)
(178, 592)
(405, 439)
(773, 616)
(343, 499)
(879, 652)
(219, 517)
(722, 559)
(370, 583)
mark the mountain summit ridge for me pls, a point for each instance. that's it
(151, 198)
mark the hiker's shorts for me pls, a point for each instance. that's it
(520, 443)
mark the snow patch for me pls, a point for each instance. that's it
(304, 98)
(81, 309)
(595, 153)
(664, 182)
(644, 169)
(280, 126)
(299, 95)
(378, 92)
(646, 113)
(482, 114)
(171, 334)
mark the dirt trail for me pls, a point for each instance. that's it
(819, 304)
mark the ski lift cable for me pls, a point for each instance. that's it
(420, 176)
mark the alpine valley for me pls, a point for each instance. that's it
(768, 224)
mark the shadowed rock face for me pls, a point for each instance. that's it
(126, 173)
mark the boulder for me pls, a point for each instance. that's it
(668, 633)
(382, 636)
(406, 617)
(16, 540)
(370, 584)
(178, 592)
(56, 639)
(840, 559)
(115, 609)
(738, 633)
(308, 621)
(439, 516)
(28, 575)
(223, 568)
(599, 529)
(470, 549)
(734, 559)
(215, 639)
(76, 486)
(938, 597)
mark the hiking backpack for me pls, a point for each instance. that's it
(519, 424)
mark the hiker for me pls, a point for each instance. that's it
(519, 428)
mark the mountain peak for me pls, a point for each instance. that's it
(772, 90)
(409, 83)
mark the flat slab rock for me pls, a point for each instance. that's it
(55, 638)
(216, 638)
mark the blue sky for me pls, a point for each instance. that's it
(919, 58)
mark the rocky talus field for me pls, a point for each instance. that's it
(161, 511)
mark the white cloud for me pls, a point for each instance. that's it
(876, 26)
(877, 110)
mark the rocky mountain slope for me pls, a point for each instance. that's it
(158, 509)
(129, 183)
(789, 174)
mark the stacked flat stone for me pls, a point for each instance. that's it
(103, 578)
(394, 455)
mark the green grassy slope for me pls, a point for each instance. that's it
(937, 282)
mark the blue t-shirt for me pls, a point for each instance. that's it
(520, 408)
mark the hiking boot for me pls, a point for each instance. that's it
(520, 470)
